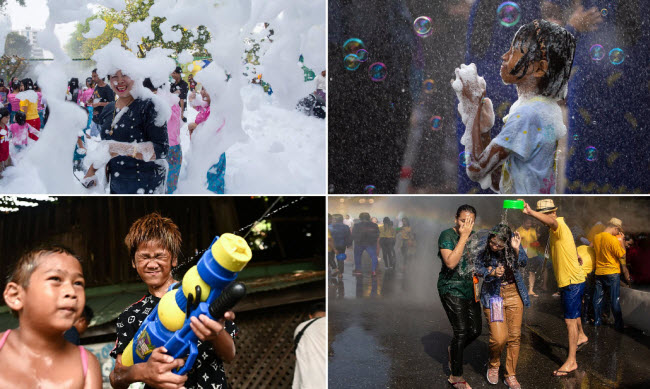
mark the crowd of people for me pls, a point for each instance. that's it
(366, 234)
(585, 269)
(145, 151)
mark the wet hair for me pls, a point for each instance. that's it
(15, 85)
(387, 222)
(4, 112)
(27, 83)
(503, 233)
(315, 308)
(365, 216)
(20, 118)
(465, 208)
(178, 70)
(154, 227)
(338, 218)
(88, 313)
(28, 262)
(541, 40)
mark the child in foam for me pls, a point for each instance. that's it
(216, 173)
(21, 131)
(14, 102)
(5, 159)
(521, 159)
(46, 292)
(29, 100)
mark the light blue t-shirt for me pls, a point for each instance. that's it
(530, 133)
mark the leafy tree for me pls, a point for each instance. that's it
(136, 11)
(18, 45)
(11, 67)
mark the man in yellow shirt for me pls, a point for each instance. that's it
(568, 274)
(610, 260)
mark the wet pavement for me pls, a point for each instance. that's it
(391, 331)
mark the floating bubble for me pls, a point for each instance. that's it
(463, 158)
(591, 153)
(369, 189)
(603, 12)
(423, 26)
(435, 122)
(352, 45)
(616, 56)
(428, 85)
(509, 13)
(351, 62)
(378, 71)
(596, 52)
(362, 55)
(575, 137)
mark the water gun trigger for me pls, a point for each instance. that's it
(194, 352)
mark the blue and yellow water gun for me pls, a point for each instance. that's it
(207, 288)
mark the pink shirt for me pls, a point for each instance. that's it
(15, 103)
(40, 102)
(204, 113)
(20, 133)
(84, 96)
(174, 126)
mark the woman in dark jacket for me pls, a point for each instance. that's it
(503, 296)
(136, 135)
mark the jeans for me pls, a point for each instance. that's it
(465, 318)
(388, 248)
(612, 284)
(358, 251)
(507, 332)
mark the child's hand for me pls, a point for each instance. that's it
(208, 329)
(515, 241)
(158, 370)
(585, 20)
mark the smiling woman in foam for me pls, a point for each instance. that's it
(133, 128)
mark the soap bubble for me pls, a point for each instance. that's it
(463, 158)
(596, 52)
(428, 85)
(509, 13)
(351, 62)
(575, 137)
(369, 189)
(377, 71)
(603, 12)
(362, 55)
(423, 26)
(435, 122)
(591, 153)
(352, 45)
(616, 56)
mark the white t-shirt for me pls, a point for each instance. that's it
(311, 356)
(320, 82)
(531, 132)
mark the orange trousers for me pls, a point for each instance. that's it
(507, 332)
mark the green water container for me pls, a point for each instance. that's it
(513, 204)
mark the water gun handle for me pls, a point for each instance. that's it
(194, 352)
(227, 300)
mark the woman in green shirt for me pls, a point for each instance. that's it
(456, 290)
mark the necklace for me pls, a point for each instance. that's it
(114, 112)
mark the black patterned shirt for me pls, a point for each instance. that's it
(207, 372)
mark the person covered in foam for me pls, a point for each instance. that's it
(522, 158)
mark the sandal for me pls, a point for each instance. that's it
(562, 373)
(512, 382)
(453, 384)
(492, 375)
(581, 345)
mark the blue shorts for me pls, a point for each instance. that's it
(572, 300)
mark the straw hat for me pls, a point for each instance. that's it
(616, 223)
(545, 206)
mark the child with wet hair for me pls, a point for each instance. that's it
(539, 65)
(46, 292)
